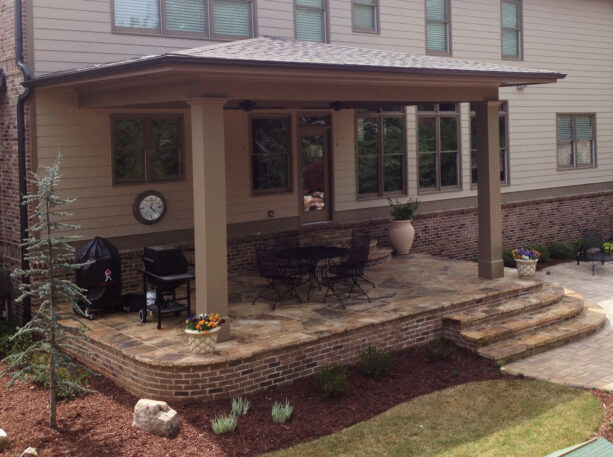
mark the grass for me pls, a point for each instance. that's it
(486, 419)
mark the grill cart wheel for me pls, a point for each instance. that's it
(142, 315)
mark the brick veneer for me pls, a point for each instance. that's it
(9, 185)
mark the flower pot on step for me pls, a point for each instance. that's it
(402, 234)
(202, 342)
(526, 267)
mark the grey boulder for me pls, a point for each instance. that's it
(156, 417)
(4, 440)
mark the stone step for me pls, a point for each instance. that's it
(589, 321)
(340, 238)
(379, 255)
(519, 324)
(550, 293)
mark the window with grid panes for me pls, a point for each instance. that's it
(576, 140)
(437, 27)
(364, 15)
(381, 152)
(511, 29)
(504, 144)
(311, 20)
(438, 146)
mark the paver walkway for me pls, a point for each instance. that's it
(586, 362)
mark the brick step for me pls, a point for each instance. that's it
(488, 333)
(492, 312)
(589, 321)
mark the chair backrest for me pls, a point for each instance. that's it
(591, 239)
(357, 258)
(267, 260)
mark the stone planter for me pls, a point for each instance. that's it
(526, 267)
(200, 342)
(402, 234)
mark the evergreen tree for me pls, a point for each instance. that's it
(50, 259)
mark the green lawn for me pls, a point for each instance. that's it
(494, 418)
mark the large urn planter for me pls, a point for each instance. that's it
(526, 268)
(402, 234)
(201, 342)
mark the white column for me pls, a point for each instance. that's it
(489, 200)
(209, 194)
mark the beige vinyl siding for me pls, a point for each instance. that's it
(83, 137)
(570, 36)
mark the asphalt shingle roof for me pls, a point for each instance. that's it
(285, 52)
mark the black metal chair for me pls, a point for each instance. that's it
(349, 272)
(592, 249)
(282, 283)
(292, 267)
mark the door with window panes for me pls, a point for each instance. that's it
(314, 168)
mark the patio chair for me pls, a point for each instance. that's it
(349, 272)
(592, 249)
(292, 267)
(281, 283)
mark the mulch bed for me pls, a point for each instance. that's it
(100, 424)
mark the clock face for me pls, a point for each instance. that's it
(149, 207)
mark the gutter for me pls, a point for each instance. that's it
(21, 149)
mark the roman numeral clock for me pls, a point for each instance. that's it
(149, 207)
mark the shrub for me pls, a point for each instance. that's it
(374, 362)
(281, 412)
(440, 349)
(332, 382)
(223, 424)
(240, 406)
(560, 250)
(542, 250)
(507, 258)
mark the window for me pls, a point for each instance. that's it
(576, 140)
(437, 27)
(438, 146)
(270, 154)
(504, 144)
(381, 155)
(222, 19)
(511, 29)
(311, 20)
(146, 148)
(365, 16)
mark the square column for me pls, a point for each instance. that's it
(489, 200)
(210, 213)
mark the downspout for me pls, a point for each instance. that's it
(21, 149)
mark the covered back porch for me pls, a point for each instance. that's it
(219, 83)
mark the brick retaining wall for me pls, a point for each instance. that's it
(273, 368)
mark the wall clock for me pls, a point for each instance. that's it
(149, 207)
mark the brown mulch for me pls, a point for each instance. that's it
(100, 424)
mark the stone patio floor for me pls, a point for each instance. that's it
(406, 286)
(586, 362)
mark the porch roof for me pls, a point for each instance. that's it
(274, 52)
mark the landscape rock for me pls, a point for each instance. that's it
(29, 452)
(4, 439)
(156, 417)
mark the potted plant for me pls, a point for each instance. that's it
(402, 232)
(201, 331)
(526, 260)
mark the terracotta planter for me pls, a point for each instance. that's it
(402, 234)
(200, 342)
(526, 267)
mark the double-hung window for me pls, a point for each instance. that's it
(146, 148)
(365, 15)
(503, 131)
(217, 19)
(511, 29)
(576, 140)
(438, 146)
(270, 154)
(311, 20)
(381, 152)
(438, 27)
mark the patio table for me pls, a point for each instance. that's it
(311, 256)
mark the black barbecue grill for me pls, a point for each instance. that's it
(166, 268)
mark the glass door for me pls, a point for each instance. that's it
(314, 170)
